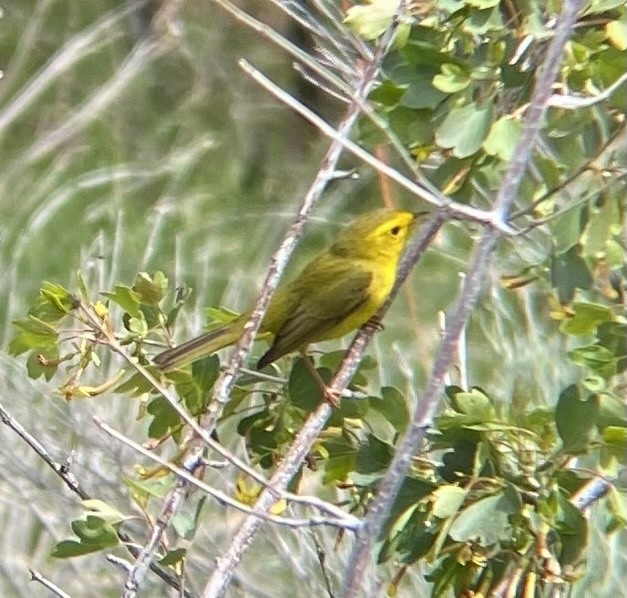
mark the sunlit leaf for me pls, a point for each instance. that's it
(151, 289)
(126, 298)
(451, 79)
(371, 20)
(586, 318)
(447, 500)
(485, 520)
(503, 137)
(465, 129)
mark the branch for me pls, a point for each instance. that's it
(140, 568)
(341, 519)
(419, 189)
(62, 470)
(54, 589)
(224, 384)
(358, 580)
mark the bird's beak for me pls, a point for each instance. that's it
(418, 216)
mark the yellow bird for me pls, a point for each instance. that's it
(337, 292)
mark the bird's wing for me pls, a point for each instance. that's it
(336, 294)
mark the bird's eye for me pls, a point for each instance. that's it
(395, 230)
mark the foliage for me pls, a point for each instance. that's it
(493, 498)
(492, 493)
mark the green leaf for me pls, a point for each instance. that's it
(586, 318)
(173, 556)
(599, 229)
(613, 336)
(575, 419)
(33, 333)
(503, 137)
(616, 435)
(44, 363)
(596, 358)
(572, 528)
(482, 4)
(459, 461)
(486, 519)
(95, 530)
(465, 129)
(475, 405)
(304, 390)
(617, 34)
(448, 500)
(93, 534)
(184, 524)
(151, 290)
(136, 385)
(393, 407)
(371, 20)
(412, 491)
(597, 6)
(68, 549)
(373, 455)
(126, 298)
(58, 302)
(143, 490)
(616, 511)
(387, 93)
(420, 96)
(567, 228)
(341, 462)
(99, 508)
(205, 372)
(569, 272)
(451, 79)
(412, 537)
(612, 411)
(165, 418)
(138, 326)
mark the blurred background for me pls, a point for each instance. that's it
(131, 141)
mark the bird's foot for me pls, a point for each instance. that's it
(375, 324)
(332, 396)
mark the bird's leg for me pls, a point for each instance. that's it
(375, 324)
(330, 396)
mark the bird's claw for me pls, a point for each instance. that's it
(332, 396)
(375, 323)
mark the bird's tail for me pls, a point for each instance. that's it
(199, 347)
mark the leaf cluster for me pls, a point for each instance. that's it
(492, 492)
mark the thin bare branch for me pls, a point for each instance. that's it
(340, 520)
(194, 459)
(292, 49)
(420, 190)
(141, 566)
(63, 471)
(54, 589)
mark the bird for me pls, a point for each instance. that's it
(338, 291)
